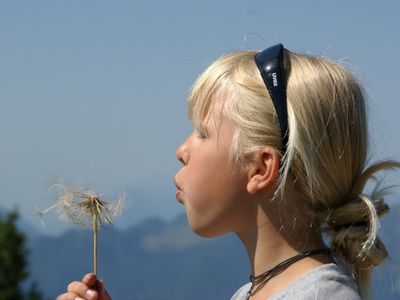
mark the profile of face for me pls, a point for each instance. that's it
(209, 184)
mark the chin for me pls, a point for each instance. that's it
(206, 231)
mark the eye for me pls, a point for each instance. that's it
(201, 135)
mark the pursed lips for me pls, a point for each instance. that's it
(178, 192)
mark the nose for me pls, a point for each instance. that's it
(182, 153)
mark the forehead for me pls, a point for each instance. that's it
(207, 96)
(209, 112)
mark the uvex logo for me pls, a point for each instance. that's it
(274, 79)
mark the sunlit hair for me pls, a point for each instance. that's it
(326, 158)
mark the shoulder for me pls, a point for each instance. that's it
(241, 293)
(324, 282)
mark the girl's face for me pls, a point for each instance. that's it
(208, 184)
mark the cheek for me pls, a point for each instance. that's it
(198, 175)
(202, 191)
(212, 209)
(207, 179)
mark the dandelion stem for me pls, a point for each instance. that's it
(95, 223)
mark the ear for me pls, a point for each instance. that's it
(263, 172)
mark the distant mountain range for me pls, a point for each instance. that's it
(153, 260)
(160, 260)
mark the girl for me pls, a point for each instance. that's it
(278, 155)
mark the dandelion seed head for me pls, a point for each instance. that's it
(82, 207)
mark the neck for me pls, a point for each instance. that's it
(272, 239)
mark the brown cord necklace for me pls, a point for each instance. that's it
(262, 279)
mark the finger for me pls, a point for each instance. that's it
(89, 279)
(102, 290)
(101, 287)
(82, 290)
(69, 296)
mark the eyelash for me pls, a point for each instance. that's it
(201, 135)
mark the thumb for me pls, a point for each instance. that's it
(103, 294)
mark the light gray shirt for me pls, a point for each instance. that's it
(322, 283)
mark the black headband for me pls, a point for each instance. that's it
(270, 64)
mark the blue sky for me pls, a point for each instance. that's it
(93, 92)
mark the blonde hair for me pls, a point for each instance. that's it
(326, 157)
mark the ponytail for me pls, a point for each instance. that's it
(353, 227)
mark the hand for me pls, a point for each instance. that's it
(88, 289)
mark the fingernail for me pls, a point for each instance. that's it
(79, 298)
(89, 294)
